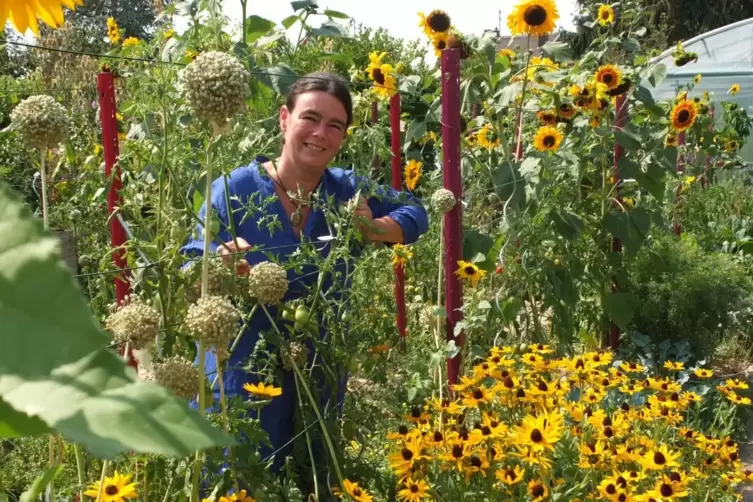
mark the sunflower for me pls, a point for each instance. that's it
(670, 141)
(241, 496)
(547, 139)
(423, 24)
(566, 111)
(605, 14)
(533, 17)
(23, 14)
(683, 115)
(547, 117)
(468, 270)
(414, 491)
(384, 81)
(734, 89)
(116, 489)
(732, 146)
(509, 53)
(609, 75)
(487, 138)
(439, 41)
(697, 79)
(356, 492)
(412, 173)
(113, 32)
(400, 255)
(261, 390)
(130, 42)
(438, 21)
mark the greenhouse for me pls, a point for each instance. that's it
(725, 57)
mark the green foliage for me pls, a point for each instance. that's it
(687, 293)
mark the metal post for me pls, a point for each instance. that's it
(397, 184)
(707, 168)
(108, 108)
(450, 71)
(620, 120)
(678, 192)
(376, 161)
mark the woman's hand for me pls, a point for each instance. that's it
(363, 216)
(376, 229)
(228, 251)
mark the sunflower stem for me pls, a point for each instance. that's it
(519, 119)
(43, 175)
(102, 480)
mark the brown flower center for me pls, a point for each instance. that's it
(407, 454)
(607, 78)
(605, 14)
(415, 412)
(478, 394)
(666, 490)
(683, 116)
(414, 488)
(535, 15)
(536, 436)
(357, 491)
(475, 461)
(438, 21)
(659, 458)
(438, 436)
(378, 76)
(457, 451)
(537, 491)
(403, 430)
(611, 489)
(509, 383)
(469, 270)
(549, 141)
(111, 490)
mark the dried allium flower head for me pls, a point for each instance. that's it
(214, 321)
(443, 201)
(268, 282)
(134, 322)
(295, 352)
(41, 121)
(216, 86)
(220, 278)
(178, 375)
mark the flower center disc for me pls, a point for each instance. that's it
(111, 490)
(683, 116)
(608, 78)
(535, 15)
(536, 436)
(659, 458)
(439, 21)
(379, 76)
(549, 141)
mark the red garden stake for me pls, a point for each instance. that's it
(108, 108)
(374, 119)
(453, 221)
(397, 184)
(620, 120)
(680, 170)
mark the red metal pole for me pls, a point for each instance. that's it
(376, 162)
(397, 184)
(620, 120)
(680, 170)
(108, 108)
(453, 221)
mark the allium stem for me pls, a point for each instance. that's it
(226, 421)
(439, 300)
(308, 442)
(79, 470)
(43, 174)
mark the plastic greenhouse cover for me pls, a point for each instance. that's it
(725, 57)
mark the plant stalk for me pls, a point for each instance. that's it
(43, 174)
(79, 470)
(102, 480)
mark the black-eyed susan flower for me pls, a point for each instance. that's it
(412, 173)
(113, 31)
(540, 432)
(547, 139)
(703, 373)
(487, 137)
(609, 75)
(510, 475)
(355, 492)
(668, 490)
(261, 390)
(683, 115)
(470, 272)
(659, 459)
(114, 489)
(734, 89)
(414, 491)
(605, 14)
(533, 17)
(677, 365)
(538, 490)
(670, 140)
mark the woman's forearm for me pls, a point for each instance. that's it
(387, 230)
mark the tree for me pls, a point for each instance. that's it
(135, 18)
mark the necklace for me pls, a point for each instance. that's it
(296, 218)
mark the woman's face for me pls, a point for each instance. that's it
(314, 130)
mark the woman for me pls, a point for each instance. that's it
(314, 122)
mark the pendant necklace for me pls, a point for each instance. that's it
(297, 217)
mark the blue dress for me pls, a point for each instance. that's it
(251, 186)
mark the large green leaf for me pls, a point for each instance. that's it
(566, 223)
(15, 424)
(509, 184)
(331, 29)
(55, 364)
(257, 27)
(279, 78)
(620, 307)
(630, 227)
(475, 243)
(559, 51)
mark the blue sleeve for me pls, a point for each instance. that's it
(403, 207)
(195, 245)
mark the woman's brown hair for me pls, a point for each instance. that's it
(325, 82)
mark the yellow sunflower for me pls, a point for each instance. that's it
(734, 89)
(547, 117)
(605, 14)
(537, 490)
(487, 138)
(385, 84)
(130, 42)
(113, 32)
(439, 42)
(24, 14)
(375, 62)
(567, 110)
(438, 21)
(697, 79)
(683, 115)
(115, 489)
(507, 52)
(609, 75)
(547, 139)
(236, 497)
(400, 255)
(423, 24)
(732, 146)
(261, 390)
(533, 17)
(356, 492)
(670, 140)
(414, 491)
(469, 271)
(412, 172)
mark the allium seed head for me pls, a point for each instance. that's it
(134, 322)
(179, 376)
(216, 86)
(268, 282)
(296, 353)
(41, 121)
(214, 321)
(220, 278)
(443, 201)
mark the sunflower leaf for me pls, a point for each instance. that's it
(15, 424)
(620, 307)
(558, 51)
(55, 364)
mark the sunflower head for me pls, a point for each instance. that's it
(670, 140)
(547, 139)
(469, 271)
(609, 75)
(605, 15)
(683, 115)
(547, 117)
(440, 42)
(456, 42)
(438, 21)
(533, 17)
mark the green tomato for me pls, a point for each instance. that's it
(298, 326)
(345, 317)
(288, 315)
(301, 314)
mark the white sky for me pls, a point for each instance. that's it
(400, 17)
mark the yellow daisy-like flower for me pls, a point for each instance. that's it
(385, 84)
(547, 139)
(507, 52)
(609, 75)
(533, 17)
(130, 42)
(439, 41)
(537, 490)
(235, 497)
(697, 79)
(115, 489)
(168, 34)
(670, 140)
(732, 146)
(605, 15)
(469, 271)
(703, 373)
(676, 365)
(356, 492)
(659, 459)
(261, 390)
(487, 138)
(25, 15)
(414, 491)
(375, 62)
(400, 255)
(683, 115)
(734, 89)
(412, 172)
(113, 32)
